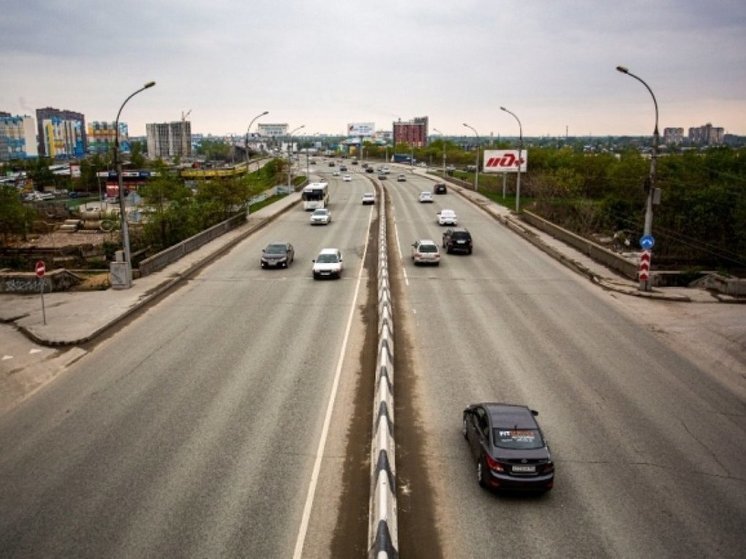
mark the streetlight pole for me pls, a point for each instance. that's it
(648, 227)
(246, 143)
(120, 182)
(476, 171)
(290, 143)
(520, 159)
(442, 139)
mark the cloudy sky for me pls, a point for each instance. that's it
(328, 63)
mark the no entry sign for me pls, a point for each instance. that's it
(40, 269)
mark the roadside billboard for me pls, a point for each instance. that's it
(504, 161)
(358, 129)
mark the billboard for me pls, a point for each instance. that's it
(358, 129)
(504, 161)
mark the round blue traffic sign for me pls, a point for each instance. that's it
(647, 242)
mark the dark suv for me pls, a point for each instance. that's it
(440, 188)
(457, 240)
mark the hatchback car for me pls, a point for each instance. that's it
(321, 216)
(426, 197)
(440, 188)
(369, 198)
(457, 240)
(509, 447)
(425, 251)
(347, 178)
(328, 264)
(401, 178)
(276, 255)
(446, 217)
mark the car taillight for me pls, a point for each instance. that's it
(494, 465)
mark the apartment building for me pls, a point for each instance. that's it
(60, 133)
(707, 135)
(17, 137)
(169, 139)
(101, 137)
(413, 132)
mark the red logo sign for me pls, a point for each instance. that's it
(40, 269)
(507, 160)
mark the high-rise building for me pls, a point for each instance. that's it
(101, 137)
(17, 137)
(169, 139)
(61, 133)
(413, 132)
(673, 136)
(707, 135)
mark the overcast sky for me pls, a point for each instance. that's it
(327, 63)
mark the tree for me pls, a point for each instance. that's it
(15, 218)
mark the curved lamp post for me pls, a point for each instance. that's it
(520, 160)
(476, 171)
(648, 228)
(246, 144)
(122, 210)
(442, 139)
(290, 161)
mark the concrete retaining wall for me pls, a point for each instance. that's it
(383, 531)
(28, 283)
(592, 250)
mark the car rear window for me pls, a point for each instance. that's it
(428, 248)
(517, 438)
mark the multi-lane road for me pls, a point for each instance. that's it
(232, 418)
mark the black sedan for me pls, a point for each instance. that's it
(509, 447)
(277, 255)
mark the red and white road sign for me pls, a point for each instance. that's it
(40, 269)
(644, 270)
(504, 160)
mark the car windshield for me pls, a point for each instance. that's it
(327, 259)
(275, 249)
(320, 212)
(427, 247)
(517, 438)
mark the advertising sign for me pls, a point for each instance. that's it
(358, 129)
(504, 161)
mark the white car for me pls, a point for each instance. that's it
(328, 264)
(369, 198)
(447, 217)
(335, 174)
(426, 197)
(347, 178)
(425, 251)
(321, 216)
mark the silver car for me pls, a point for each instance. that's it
(321, 216)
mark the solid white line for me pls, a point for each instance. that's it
(300, 540)
(401, 258)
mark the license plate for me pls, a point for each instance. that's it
(460, 242)
(524, 469)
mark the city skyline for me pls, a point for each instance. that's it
(324, 66)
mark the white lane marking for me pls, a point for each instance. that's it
(300, 540)
(32, 351)
(401, 258)
(6, 357)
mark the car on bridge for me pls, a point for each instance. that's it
(440, 188)
(368, 198)
(426, 197)
(446, 217)
(425, 251)
(277, 255)
(457, 239)
(347, 178)
(508, 446)
(328, 264)
(401, 178)
(321, 216)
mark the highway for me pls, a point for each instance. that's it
(649, 449)
(195, 431)
(232, 418)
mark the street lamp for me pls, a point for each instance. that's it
(120, 182)
(246, 144)
(520, 159)
(290, 143)
(442, 139)
(648, 228)
(476, 171)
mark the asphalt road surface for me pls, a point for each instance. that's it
(650, 450)
(209, 426)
